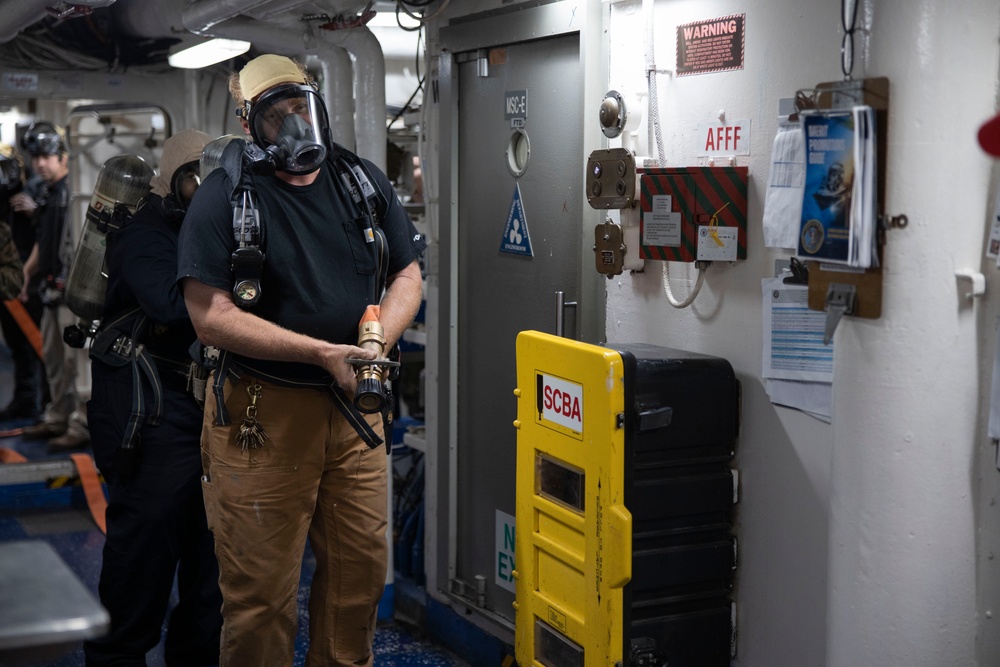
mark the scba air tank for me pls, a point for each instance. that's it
(122, 184)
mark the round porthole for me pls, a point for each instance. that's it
(518, 152)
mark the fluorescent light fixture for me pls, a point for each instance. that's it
(208, 53)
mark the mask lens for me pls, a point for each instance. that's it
(290, 119)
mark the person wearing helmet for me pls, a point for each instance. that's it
(281, 296)
(64, 421)
(156, 516)
(20, 322)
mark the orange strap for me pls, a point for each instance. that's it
(27, 324)
(92, 489)
(11, 456)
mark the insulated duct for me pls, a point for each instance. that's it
(198, 17)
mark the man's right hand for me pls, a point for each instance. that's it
(335, 362)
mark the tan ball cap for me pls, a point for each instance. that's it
(266, 71)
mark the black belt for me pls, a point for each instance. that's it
(228, 367)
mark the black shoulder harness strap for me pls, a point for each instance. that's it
(366, 196)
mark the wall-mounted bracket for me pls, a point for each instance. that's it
(840, 301)
(894, 221)
(976, 281)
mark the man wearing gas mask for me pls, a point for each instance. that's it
(285, 250)
(146, 428)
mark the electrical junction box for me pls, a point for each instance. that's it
(624, 505)
(609, 249)
(693, 214)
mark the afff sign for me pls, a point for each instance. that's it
(716, 139)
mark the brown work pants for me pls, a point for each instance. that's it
(313, 476)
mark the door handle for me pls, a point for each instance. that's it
(561, 305)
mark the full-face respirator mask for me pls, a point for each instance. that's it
(289, 123)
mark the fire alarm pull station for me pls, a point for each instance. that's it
(693, 214)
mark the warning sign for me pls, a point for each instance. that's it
(710, 46)
(515, 234)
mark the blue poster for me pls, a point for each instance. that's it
(515, 234)
(830, 171)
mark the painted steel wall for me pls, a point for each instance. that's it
(868, 541)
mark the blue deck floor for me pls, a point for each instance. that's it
(60, 517)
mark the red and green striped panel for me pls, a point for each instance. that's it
(698, 193)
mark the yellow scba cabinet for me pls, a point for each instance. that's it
(624, 553)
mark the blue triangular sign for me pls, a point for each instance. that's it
(515, 234)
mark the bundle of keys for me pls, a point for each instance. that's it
(251, 435)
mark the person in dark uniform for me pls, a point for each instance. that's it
(64, 422)
(297, 458)
(11, 269)
(17, 207)
(151, 460)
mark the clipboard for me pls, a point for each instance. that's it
(866, 283)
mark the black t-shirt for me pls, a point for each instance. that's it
(142, 269)
(319, 270)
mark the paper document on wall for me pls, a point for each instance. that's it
(785, 184)
(813, 398)
(797, 366)
(838, 222)
(793, 335)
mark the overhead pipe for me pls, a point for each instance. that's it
(338, 91)
(153, 20)
(368, 92)
(18, 15)
(200, 16)
(173, 18)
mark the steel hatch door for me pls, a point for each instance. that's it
(501, 293)
(573, 533)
